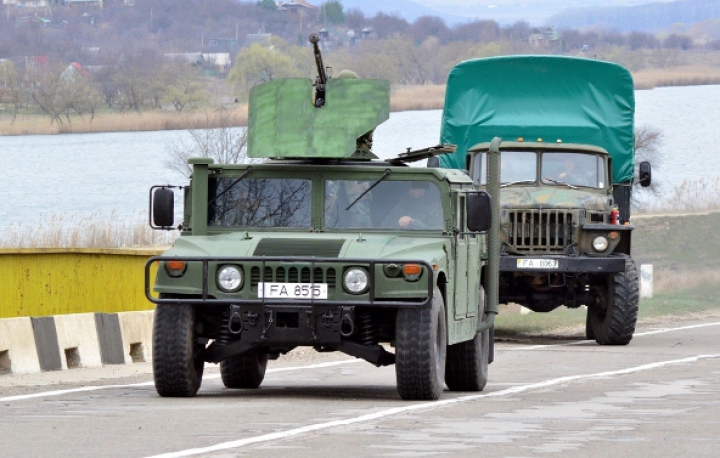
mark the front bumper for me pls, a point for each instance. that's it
(565, 264)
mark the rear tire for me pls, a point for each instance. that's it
(612, 321)
(177, 370)
(246, 370)
(467, 364)
(421, 345)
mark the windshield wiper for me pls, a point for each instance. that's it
(516, 182)
(246, 173)
(384, 175)
(560, 182)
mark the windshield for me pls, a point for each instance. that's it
(389, 205)
(574, 169)
(515, 167)
(264, 202)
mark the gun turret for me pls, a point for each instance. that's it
(322, 76)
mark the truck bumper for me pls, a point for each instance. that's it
(561, 264)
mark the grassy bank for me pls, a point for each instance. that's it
(402, 98)
(683, 250)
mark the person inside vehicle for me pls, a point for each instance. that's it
(420, 208)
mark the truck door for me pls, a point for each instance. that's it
(467, 263)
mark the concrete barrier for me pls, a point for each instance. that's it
(62, 342)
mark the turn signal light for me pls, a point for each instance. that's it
(411, 269)
(176, 265)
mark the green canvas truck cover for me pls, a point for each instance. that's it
(572, 99)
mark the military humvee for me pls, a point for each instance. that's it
(323, 246)
(568, 162)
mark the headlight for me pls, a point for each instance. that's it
(229, 278)
(355, 280)
(600, 243)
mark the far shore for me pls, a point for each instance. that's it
(402, 98)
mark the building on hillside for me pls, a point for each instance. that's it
(546, 38)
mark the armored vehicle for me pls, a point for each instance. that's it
(321, 245)
(567, 170)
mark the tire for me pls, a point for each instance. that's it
(612, 320)
(176, 369)
(421, 345)
(246, 370)
(589, 333)
(466, 368)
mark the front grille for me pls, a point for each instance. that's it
(293, 274)
(540, 230)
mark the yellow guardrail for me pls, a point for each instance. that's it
(57, 281)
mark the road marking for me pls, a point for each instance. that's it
(425, 405)
(44, 394)
(639, 334)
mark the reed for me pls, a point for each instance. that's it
(95, 231)
(686, 75)
(426, 97)
(689, 197)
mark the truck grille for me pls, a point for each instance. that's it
(294, 274)
(540, 230)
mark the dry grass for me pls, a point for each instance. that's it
(96, 231)
(427, 97)
(690, 197)
(671, 280)
(121, 122)
(686, 75)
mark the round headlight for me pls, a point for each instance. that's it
(600, 243)
(355, 280)
(230, 278)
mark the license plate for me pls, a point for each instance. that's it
(293, 290)
(537, 264)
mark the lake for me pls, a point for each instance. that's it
(107, 176)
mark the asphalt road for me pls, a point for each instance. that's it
(658, 396)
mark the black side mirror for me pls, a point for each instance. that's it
(479, 211)
(163, 208)
(645, 174)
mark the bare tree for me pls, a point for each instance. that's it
(226, 144)
(647, 148)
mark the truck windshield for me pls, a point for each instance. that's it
(574, 169)
(260, 202)
(515, 167)
(389, 205)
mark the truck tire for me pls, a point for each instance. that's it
(467, 362)
(421, 345)
(613, 323)
(177, 370)
(246, 370)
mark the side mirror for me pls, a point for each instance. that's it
(162, 205)
(479, 211)
(645, 174)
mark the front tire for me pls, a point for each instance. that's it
(612, 321)
(177, 370)
(246, 370)
(421, 344)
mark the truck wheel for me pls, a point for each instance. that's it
(421, 344)
(467, 362)
(613, 320)
(176, 368)
(589, 333)
(246, 370)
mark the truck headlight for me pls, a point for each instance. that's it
(355, 280)
(230, 278)
(600, 243)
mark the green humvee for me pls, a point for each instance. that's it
(567, 161)
(322, 246)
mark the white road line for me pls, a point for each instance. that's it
(425, 405)
(638, 334)
(44, 394)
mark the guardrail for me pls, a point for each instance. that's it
(39, 282)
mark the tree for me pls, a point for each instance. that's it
(332, 12)
(647, 148)
(226, 144)
(268, 5)
(184, 85)
(259, 64)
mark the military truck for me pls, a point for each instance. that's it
(567, 160)
(322, 246)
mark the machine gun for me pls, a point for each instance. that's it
(322, 77)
